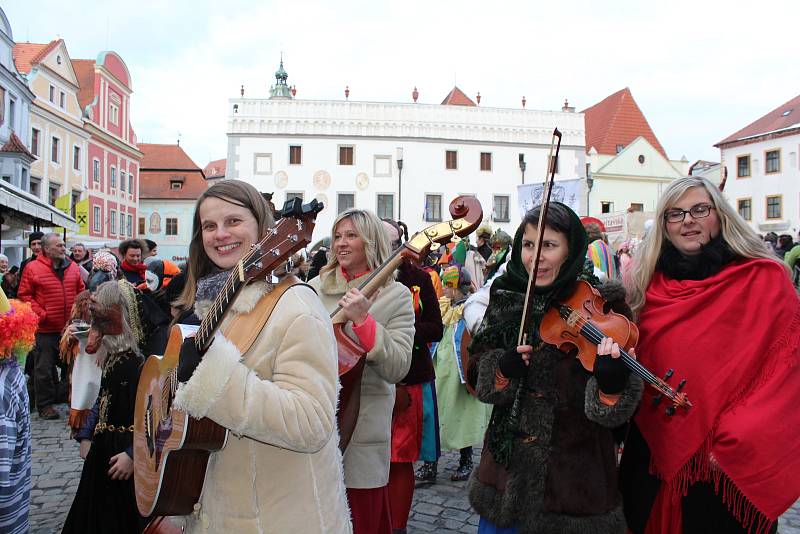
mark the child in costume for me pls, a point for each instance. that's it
(18, 324)
(462, 418)
(105, 501)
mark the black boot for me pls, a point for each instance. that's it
(464, 465)
(427, 473)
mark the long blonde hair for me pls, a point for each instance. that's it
(735, 232)
(199, 265)
(371, 231)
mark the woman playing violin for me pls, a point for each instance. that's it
(280, 470)
(549, 457)
(718, 308)
(383, 325)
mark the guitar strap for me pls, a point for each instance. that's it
(243, 330)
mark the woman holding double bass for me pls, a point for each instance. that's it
(383, 325)
(549, 457)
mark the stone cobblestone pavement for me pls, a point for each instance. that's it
(442, 507)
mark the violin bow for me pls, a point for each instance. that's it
(549, 179)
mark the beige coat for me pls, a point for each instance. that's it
(281, 469)
(366, 460)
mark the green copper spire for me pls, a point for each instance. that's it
(280, 89)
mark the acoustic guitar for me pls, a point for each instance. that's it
(467, 215)
(170, 448)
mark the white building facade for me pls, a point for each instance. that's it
(404, 161)
(763, 171)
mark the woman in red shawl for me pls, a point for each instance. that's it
(719, 308)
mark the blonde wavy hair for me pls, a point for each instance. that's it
(371, 231)
(735, 232)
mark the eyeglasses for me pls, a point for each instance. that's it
(699, 211)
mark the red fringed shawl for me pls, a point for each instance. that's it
(735, 338)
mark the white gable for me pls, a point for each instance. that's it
(639, 159)
(59, 62)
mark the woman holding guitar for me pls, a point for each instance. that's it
(383, 325)
(549, 457)
(280, 470)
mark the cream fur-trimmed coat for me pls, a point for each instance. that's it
(281, 469)
(366, 460)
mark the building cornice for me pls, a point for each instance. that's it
(330, 118)
(767, 136)
(112, 140)
(633, 178)
(46, 114)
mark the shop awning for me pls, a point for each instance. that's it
(30, 207)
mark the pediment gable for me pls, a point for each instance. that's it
(58, 61)
(640, 158)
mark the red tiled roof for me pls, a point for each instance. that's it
(158, 185)
(165, 157)
(26, 55)
(784, 116)
(215, 169)
(15, 145)
(84, 71)
(456, 97)
(617, 120)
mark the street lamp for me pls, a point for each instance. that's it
(522, 166)
(399, 181)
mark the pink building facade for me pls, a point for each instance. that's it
(113, 157)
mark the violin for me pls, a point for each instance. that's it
(581, 322)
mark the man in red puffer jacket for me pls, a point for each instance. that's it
(50, 284)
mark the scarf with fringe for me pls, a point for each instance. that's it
(734, 337)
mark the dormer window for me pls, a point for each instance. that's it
(176, 182)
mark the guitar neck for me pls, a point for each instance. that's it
(374, 281)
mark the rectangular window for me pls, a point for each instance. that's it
(54, 149)
(745, 208)
(141, 225)
(113, 177)
(345, 155)
(52, 94)
(433, 208)
(130, 183)
(34, 141)
(62, 100)
(113, 113)
(450, 159)
(12, 105)
(36, 187)
(553, 165)
(121, 224)
(53, 194)
(742, 166)
(262, 163)
(606, 207)
(772, 161)
(295, 155)
(500, 208)
(96, 170)
(96, 219)
(294, 194)
(345, 201)
(129, 225)
(172, 226)
(122, 181)
(76, 197)
(76, 158)
(486, 161)
(112, 222)
(175, 184)
(774, 208)
(382, 166)
(385, 207)
(636, 206)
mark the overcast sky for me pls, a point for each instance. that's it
(699, 69)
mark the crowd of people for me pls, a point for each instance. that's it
(566, 446)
